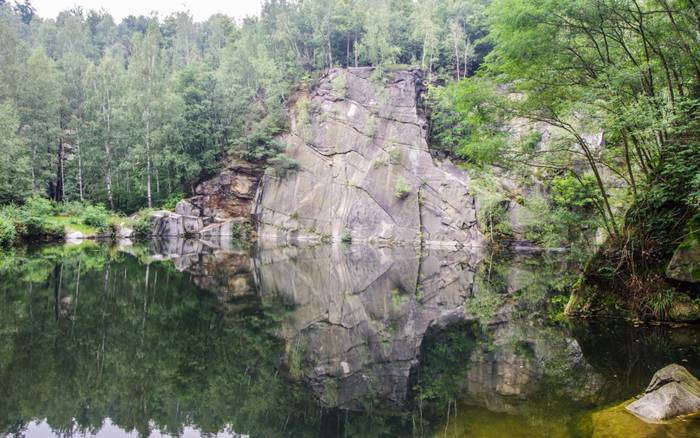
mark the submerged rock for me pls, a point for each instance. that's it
(673, 391)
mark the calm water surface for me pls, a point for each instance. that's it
(185, 339)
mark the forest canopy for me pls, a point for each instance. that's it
(131, 114)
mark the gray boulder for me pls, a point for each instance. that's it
(168, 224)
(673, 391)
(685, 264)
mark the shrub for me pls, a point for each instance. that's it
(95, 216)
(395, 156)
(339, 85)
(401, 188)
(7, 232)
(171, 202)
(37, 206)
(493, 217)
(281, 164)
(143, 227)
(40, 228)
(346, 237)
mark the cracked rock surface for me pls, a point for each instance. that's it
(364, 169)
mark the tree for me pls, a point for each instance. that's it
(15, 169)
(38, 106)
(146, 87)
(377, 45)
(103, 88)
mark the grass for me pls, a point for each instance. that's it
(72, 224)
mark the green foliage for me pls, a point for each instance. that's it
(7, 232)
(395, 156)
(281, 164)
(694, 197)
(346, 237)
(575, 194)
(339, 85)
(171, 202)
(466, 121)
(493, 217)
(36, 206)
(402, 188)
(15, 166)
(143, 227)
(95, 216)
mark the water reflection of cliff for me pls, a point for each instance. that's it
(358, 317)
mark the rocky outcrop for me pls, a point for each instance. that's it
(364, 169)
(673, 391)
(218, 211)
(685, 264)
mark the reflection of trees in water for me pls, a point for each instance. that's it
(89, 333)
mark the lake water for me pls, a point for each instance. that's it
(180, 338)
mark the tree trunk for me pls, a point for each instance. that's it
(34, 187)
(354, 47)
(80, 169)
(457, 58)
(60, 180)
(108, 149)
(148, 162)
(347, 50)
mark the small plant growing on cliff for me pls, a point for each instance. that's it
(281, 164)
(339, 85)
(346, 237)
(401, 188)
(241, 230)
(395, 156)
(376, 164)
(303, 118)
(371, 127)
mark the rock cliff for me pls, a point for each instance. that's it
(218, 208)
(364, 169)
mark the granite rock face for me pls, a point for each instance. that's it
(218, 209)
(673, 391)
(364, 169)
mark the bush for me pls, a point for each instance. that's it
(42, 207)
(493, 217)
(171, 202)
(574, 194)
(281, 164)
(401, 188)
(95, 216)
(7, 232)
(143, 227)
(40, 228)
